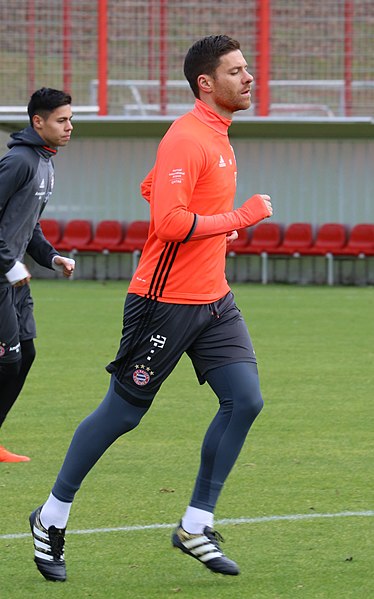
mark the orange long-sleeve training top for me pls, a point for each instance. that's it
(194, 174)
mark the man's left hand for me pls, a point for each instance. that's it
(64, 265)
(232, 236)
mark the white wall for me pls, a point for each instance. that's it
(314, 180)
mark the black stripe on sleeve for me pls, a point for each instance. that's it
(191, 230)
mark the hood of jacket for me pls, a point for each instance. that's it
(29, 137)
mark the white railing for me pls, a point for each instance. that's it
(22, 110)
(140, 89)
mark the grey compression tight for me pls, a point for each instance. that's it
(237, 388)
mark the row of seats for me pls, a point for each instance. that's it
(299, 238)
(108, 236)
(269, 237)
(267, 240)
(334, 241)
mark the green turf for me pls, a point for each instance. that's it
(310, 452)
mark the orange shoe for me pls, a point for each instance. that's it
(7, 456)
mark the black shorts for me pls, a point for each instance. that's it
(16, 322)
(156, 334)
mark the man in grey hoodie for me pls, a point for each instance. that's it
(26, 183)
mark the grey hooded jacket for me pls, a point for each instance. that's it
(26, 182)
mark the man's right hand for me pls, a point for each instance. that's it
(18, 275)
(22, 282)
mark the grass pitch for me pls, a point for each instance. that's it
(306, 464)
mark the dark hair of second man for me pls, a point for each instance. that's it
(46, 100)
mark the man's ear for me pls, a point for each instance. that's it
(37, 121)
(205, 83)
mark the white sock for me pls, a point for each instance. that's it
(55, 513)
(195, 520)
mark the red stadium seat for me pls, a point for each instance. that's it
(297, 237)
(331, 238)
(360, 242)
(135, 238)
(77, 234)
(265, 236)
(52, 230)
(359, 247)
(267, 240)
(108, 236)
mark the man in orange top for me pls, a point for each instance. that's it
(179, 301)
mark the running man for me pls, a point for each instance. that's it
(179, 301)
(26, 183)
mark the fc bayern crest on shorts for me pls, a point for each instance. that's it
(141, 377)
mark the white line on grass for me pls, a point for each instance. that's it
(291, 517)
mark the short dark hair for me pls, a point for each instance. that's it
(204, 57)
(46, 100)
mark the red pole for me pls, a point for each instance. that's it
(151, 47)
(163, 57)
(102, 27)
(262, 58)
(348, 56)
(31, 46)
(66, 47)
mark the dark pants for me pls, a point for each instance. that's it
(13, 376)
(154, 337)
